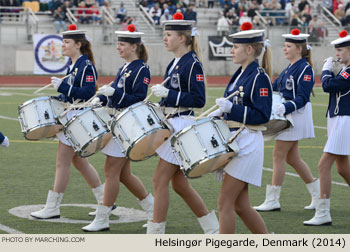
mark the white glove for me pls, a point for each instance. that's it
(217, 112)
(280, 109)
(224, 105)
(106, 91)
(56, 82)
(328, 64)
(160, 91)
(95, 101)
(5, 143)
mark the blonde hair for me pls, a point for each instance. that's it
(192, 42)
(305, 53)
(141, 52)
(266, 60)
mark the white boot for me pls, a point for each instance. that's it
(271, 202)
(209, 223)
(147, 206)
(314, 190)
(156, 228)
(52, 207)
(101, 221)
(322, 215)
(98, 192)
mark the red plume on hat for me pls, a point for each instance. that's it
(72, 27)
(178, 16)
(131, 28)
(295, 32)
(343, 34)
(246, 26)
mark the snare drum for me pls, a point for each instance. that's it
(203, 147)
(38, 117)
(276, 123)
(87, 131)
(140, 129)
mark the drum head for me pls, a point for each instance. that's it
(275, 126)
(209, 165)
(95, 145)
(42, 132)
(146, 146)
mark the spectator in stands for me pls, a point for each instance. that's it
(96, 16)
(294, 22)
(223, 27)
(307, 14)
(340, 13)
(347, 19)
(253, 6)
(190, 14)
(171, 7)
(82, 11)
(59, 17)
(155, 13)
(256, 22)
(328, 4)
(65, 7)
(210, 3)
(165, 16)
(317, 30)
(89, 3)
(244, 18)
(302, 5)
(44, 5)
(121, 12)
(336, 4)
(11, 3)
(53, 5)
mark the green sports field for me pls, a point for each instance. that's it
(27, 172)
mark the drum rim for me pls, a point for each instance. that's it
(26, 103)
(187, 171)
(79, 152)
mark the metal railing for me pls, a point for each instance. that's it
(147, 16)
(330, 17)
(71, 18)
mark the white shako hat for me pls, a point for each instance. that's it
(296, 37)
(178, 23)
(247, 35)
(130, 36)
(343, 40)
(73, 33)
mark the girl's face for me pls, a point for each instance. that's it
(125, 49)
(343, 54)
(172, 40)
(70, 48)
(239, 53)
(291, 51)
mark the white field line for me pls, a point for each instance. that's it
(9, 230)
(296, 175)
(8, 118)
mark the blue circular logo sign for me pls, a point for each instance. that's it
(48, 54)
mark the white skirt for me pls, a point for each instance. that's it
(303, 125)
(248, 164)
(165, 151)
(113, 149)
(338, 135)
(60, 135)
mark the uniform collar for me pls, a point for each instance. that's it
(181, 62)
(79, 60)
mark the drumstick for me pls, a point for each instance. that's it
(214, 107)
(95, 95)
(48, 85)
(163, 82)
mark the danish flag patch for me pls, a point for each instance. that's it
(264, 92)
(89, 78)
(146, 81)
(307, 77)
(200, 77)
(345, 75)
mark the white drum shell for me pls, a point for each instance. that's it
(140, 129)
(87, 132)
(38, 117)
(195, 150)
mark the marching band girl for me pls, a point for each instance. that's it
(79, 85)
(337, 147)
(294, 84)
(184, 90)
(250, 105)
(130, 86)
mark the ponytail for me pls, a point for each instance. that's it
(266, 60)
(141, 52)
(305, 53)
